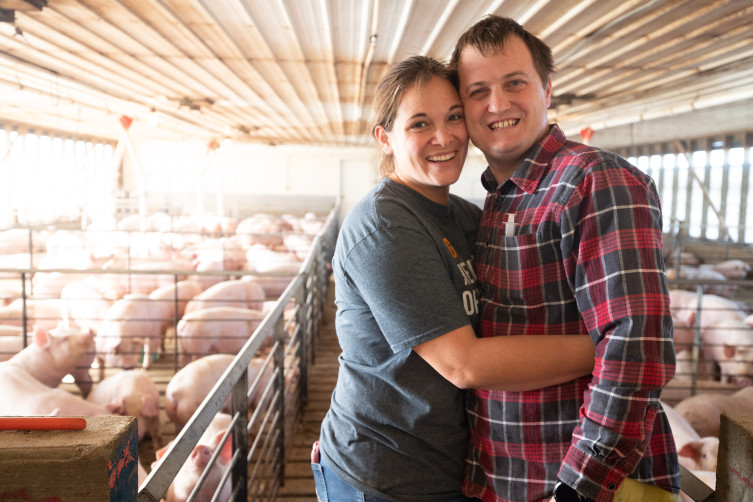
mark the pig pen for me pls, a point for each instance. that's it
(712, 306)
(282, 341)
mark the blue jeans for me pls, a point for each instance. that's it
(330, 488)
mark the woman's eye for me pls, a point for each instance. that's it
(419, 125)
(456, 116)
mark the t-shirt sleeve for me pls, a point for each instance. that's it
(401, 276)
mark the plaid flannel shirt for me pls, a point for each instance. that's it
(583, 256)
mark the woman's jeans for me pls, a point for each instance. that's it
(330, 488)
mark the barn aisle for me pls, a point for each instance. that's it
(299, 482)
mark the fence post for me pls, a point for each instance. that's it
(239, 400)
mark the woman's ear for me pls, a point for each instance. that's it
(383, 138)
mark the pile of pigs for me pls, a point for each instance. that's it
(708, 301)
(79, 310)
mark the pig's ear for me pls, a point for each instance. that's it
(41, 337)
(729, 351)
(159, 454)
(227, 449)
(689, 450)
(114, 408)
(148, 407)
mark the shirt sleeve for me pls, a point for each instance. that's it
(401, 276)
(615, 264)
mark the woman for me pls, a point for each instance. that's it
(407, 305)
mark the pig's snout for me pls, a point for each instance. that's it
(200, 456)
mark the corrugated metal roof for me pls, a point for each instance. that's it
(304, 71)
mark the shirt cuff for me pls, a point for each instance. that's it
(595, 480)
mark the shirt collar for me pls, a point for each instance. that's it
(529, 173)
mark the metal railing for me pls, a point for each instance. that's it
(256, 469)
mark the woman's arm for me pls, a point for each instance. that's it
(511, 363)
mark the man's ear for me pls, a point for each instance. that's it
(549, 92)
(383, 138)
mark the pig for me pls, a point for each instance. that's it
(186, 290)
(130, 323)
(21, 394)
(44, 313)
(11, 341)
(729, 343)
(189, 387)
(233, 293)
(704, 274)
(57, 353)
(684, 307)
(82, 304)
(732, 269)
(131, 393)
(703, 411)
(215, 330)
(262, 229)
(188, 476)
(694, 452)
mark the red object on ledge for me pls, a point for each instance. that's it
(42, 423)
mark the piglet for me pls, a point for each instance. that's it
(56, 353)
(188, 476)
(131, 393)
(703, 411)
(23, 395)
(215, 330)
(246, 294)
(729, 343)
(189, 387)
(130, 323)
(693, 451)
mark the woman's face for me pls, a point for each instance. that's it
(428, 141)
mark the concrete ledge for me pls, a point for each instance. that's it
(98, 463)
(734, 480)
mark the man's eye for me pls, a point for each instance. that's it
(475, 92)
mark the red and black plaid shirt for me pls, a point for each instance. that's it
(584, 256)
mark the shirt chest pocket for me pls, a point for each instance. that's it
(531, 270)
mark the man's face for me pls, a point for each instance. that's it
(505, 103)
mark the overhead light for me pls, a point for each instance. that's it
(152, 118)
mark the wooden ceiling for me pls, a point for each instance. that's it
(304, 71)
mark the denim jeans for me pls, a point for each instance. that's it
(330, 488)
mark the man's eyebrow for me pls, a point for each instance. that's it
(504, 77)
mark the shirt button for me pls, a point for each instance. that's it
(611, 486)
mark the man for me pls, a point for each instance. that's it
(569, 242)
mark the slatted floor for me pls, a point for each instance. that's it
(299, 482)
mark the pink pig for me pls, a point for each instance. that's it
(247, 294)
(215, 330)
(188, 475)
(694, 452)
(729, 343)
(131, 393)
(703, 411)
(130, 323)
(189, 387)
(23, 395)
(57, 353)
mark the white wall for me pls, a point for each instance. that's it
(236, 177)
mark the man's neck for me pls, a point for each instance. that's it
(501, 172)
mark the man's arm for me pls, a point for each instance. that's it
(617, 275)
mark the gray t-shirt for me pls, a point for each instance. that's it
(403, 276)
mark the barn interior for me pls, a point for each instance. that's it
(148, 146)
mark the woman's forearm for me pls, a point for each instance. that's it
(511, 363)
